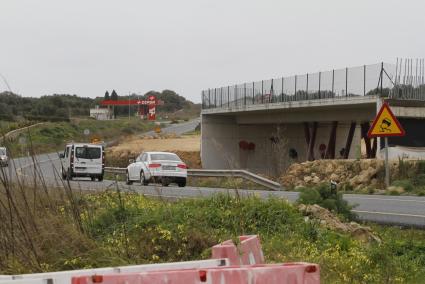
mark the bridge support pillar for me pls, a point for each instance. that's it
(349, 139)
(330, 150)
(310, 154)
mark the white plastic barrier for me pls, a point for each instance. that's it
(64, 277)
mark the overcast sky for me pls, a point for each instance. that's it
(86, 47)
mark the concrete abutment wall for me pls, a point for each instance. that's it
(260, 140)
(222, 137)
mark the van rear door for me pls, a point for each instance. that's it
(88, 159)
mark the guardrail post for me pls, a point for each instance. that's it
(244, 94)
(346, 82)
(364, 80)
(228, 96)
(253, 92)
(306, 88)
(320, 82)
(262, 91)
(282, 89)
(221, 97)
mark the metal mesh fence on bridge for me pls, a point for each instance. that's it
(403, 80)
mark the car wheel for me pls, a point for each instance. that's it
(181, 183)
(69, 175)
(165, 182)
(63, 174)
(100, 178)
(143, 180)
(127, 180)
(93, 178)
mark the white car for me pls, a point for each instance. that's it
(155, 167)
(4, 160)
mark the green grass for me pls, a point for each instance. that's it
(224, 182)
(52, 136)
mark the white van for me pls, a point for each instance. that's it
(83, 160)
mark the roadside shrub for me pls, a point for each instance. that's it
(325, 197)
(419, 180)
(405, 184)
(421, 167)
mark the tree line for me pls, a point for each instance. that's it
(59, 107)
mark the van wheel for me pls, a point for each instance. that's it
(63, 174)
(100, 178)
(143, 180)
(93, 178)
(69, 175)
(182, 182)
(127, 179)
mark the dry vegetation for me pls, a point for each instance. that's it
(186, 147)
(135, 144)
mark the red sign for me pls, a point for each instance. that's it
(128, 102)
(151, 114)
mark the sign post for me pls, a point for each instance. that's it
(384, 125)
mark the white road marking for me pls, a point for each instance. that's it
(385, 199)
(387, 213)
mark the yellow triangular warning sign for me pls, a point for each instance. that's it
(385, 124)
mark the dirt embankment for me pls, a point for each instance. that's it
(186, 147)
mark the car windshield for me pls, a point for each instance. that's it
(87, 152)
(2, 152)
(165, 157)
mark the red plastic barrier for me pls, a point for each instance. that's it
(293, 273)
(249, 252)
(252, 271)
(226, 249)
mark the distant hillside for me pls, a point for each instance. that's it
(63, 106)
(53, 107)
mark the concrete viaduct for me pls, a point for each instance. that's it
(264, 126)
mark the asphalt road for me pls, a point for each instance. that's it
(396, 210)
(179, 128)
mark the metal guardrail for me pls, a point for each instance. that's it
(218, 173)
(113, 170)
(236, 173)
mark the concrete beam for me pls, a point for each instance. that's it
(366, 113)
(357, 102)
